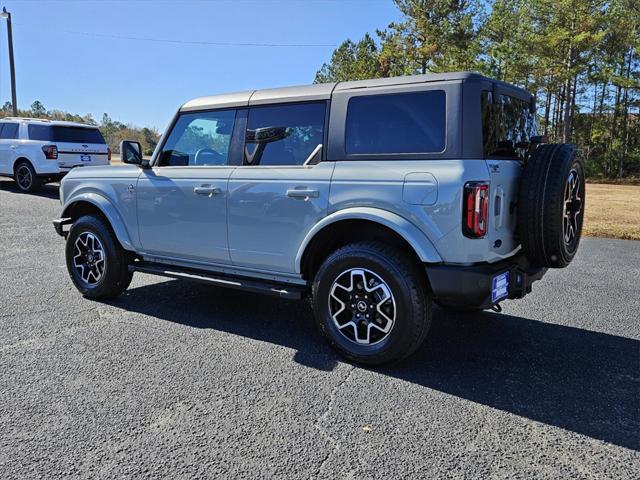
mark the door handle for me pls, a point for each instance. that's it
(14, 146)
(206, 190)
(295, 193)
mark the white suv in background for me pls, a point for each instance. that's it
(35, 151)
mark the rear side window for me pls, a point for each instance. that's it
(396, 123)
(199, 139)
(58, 133)
(40, 132)
(506, 122)
(9, 130)
(284, 134)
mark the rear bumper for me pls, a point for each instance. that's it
(52, 176)
(471, 285)
(59, 171)
(53, 172)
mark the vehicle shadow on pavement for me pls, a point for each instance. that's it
(50, 190)
(583, 381)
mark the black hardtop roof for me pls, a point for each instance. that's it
(323, 91)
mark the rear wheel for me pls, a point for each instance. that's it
(25, 177)
(371, 303)
(97, 264)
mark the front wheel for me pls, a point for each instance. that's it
(97, 264)
(371, 303)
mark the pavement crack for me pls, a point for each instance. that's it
(319, 423)
(25, 312)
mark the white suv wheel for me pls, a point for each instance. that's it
(24, 177)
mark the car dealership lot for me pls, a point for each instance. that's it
(177, 379)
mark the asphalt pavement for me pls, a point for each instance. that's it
(182, 380)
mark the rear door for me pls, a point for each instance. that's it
(77, 145)
(507, 121)
(281, 190)
(182, 199)
(8, 143)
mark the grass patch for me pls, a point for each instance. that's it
(615, 181)
(612, 211)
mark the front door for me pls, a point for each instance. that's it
(182, 199)
(281, 190)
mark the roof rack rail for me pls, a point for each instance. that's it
(26, 118)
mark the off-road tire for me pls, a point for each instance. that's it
(542, 206)
(408, 285)
(26, 178)
(116, 276)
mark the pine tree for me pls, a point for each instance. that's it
(579, 57)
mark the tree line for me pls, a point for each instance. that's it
(113, 131)
(579, 57)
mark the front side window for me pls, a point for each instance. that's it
(199, 139)
(283, 134)
(396, 123)
(507, 122)
(9, 130)
(61, 133)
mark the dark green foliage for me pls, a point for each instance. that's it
(580, 58)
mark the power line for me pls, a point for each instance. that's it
(209, 1)
(194, 42)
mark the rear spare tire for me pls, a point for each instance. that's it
(551, 205)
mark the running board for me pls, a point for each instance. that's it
(291, 292)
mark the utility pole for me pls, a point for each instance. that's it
(14, 101)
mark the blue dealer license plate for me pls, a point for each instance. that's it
(500, 287)
(85, 158)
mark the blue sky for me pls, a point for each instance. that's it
(143, 82)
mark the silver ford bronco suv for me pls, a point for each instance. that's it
(375, 198)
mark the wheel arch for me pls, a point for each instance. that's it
(357, 224)
(94, 204)
(19, 159)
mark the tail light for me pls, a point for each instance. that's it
(475, 209)
(50, 152)
(108, 154)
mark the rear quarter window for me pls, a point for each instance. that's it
(56, 133)
(396, 123)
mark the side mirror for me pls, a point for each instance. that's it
(131, 152)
